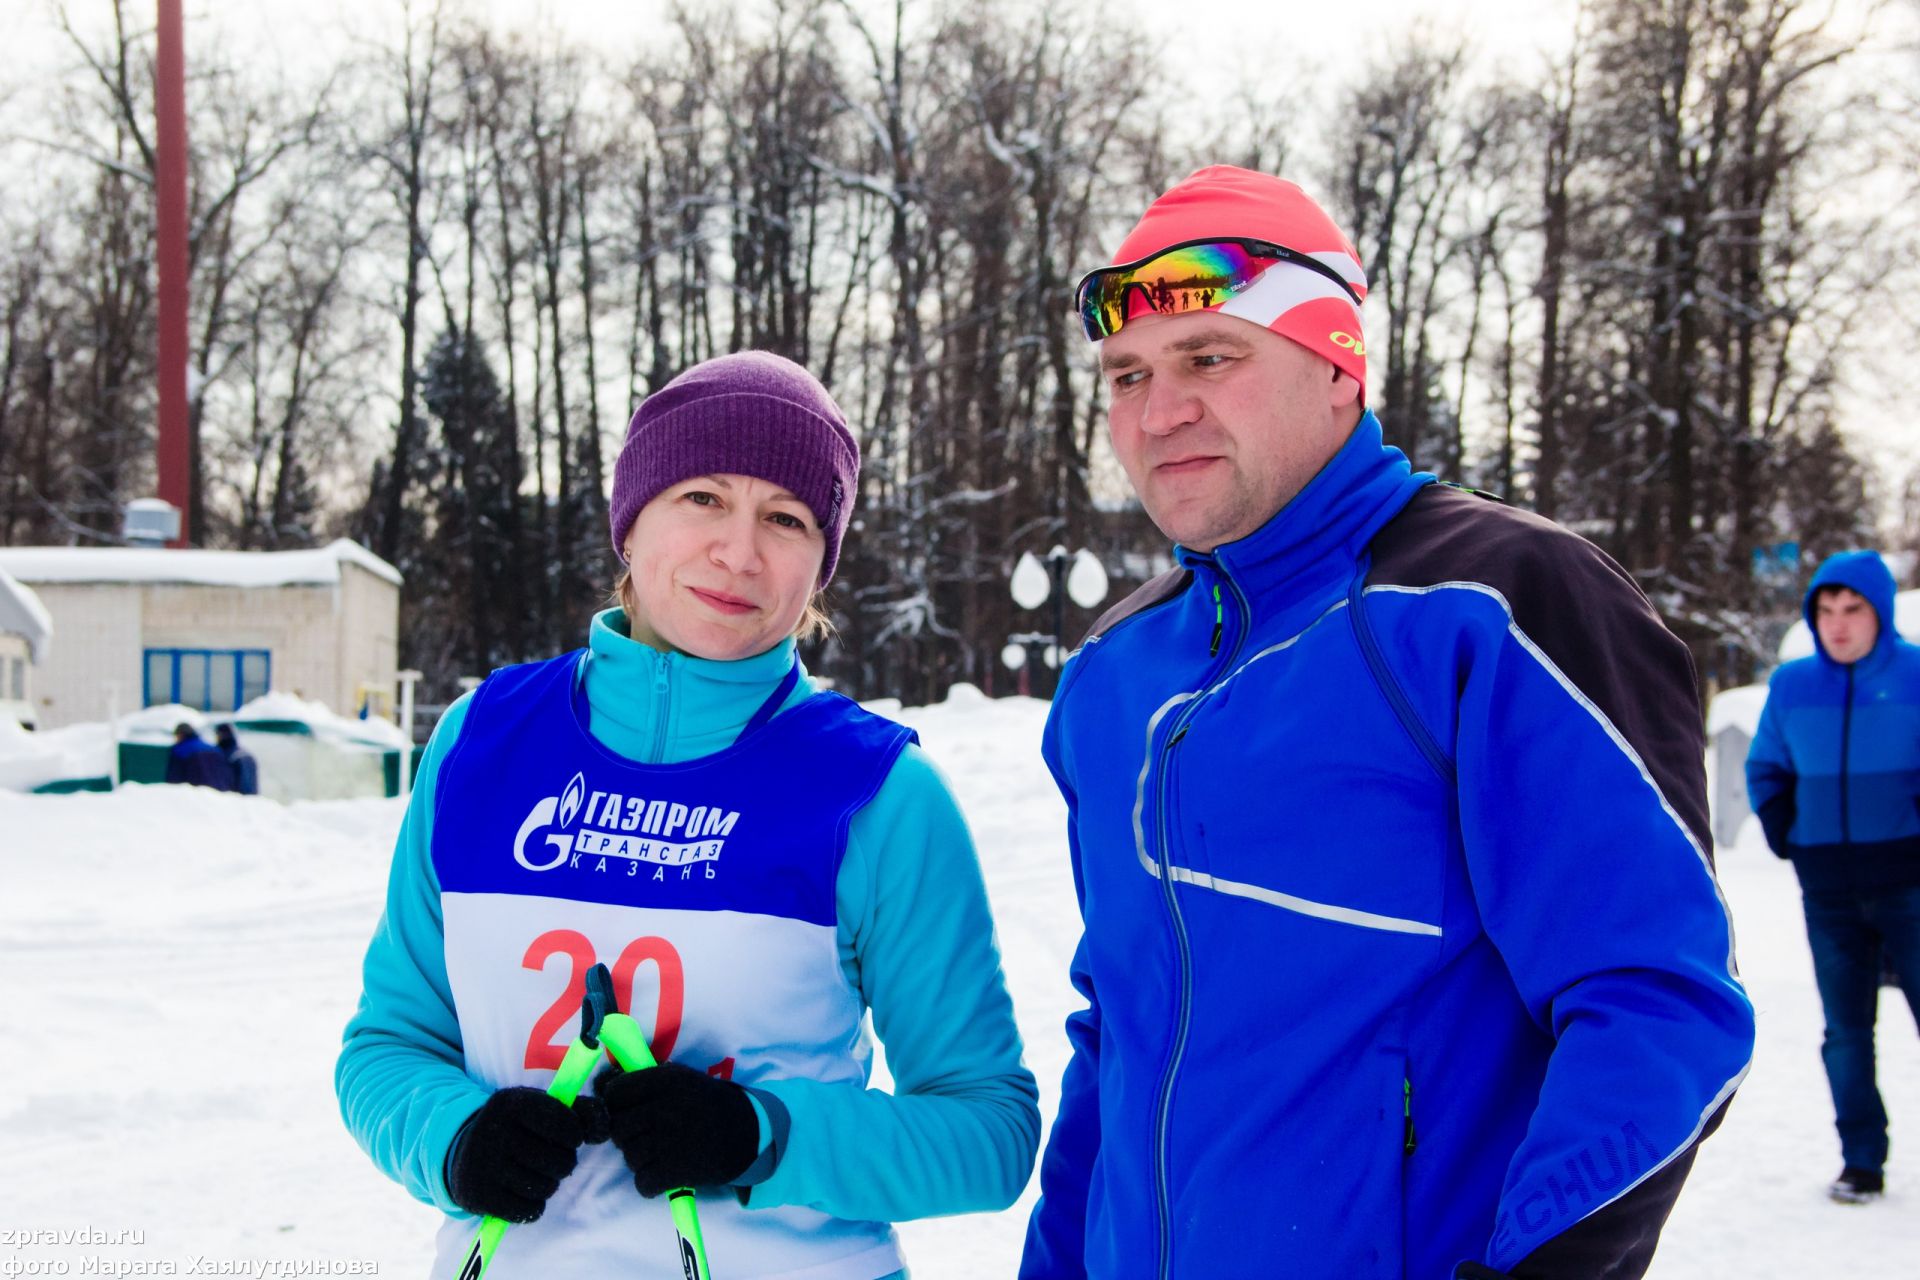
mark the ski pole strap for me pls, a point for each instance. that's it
(628, 1045)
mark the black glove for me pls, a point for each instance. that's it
(510, 1155)
(679, 1127)
(1474, 1271)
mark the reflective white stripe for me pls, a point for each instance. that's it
(1279, 290)
(1272, 649)
(1140, 784)
(1626, 748)
(1146, 755)
(1719, 1100)
(1200, 879)
(1302, 906)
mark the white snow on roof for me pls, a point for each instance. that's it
(155, 725)
(322, 721)
(1798, 642)
(22, 614)
(317, 567)
(29, 760)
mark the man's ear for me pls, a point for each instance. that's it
(1343, 390)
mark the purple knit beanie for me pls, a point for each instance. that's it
(752, 414)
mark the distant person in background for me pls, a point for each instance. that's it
(1834, 774)
(192, 759)
(245, 769)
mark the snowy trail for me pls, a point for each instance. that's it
(176, 965)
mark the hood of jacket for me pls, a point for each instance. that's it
(1866, 573)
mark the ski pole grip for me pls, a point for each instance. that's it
(626, 1042)
(628, 1045)
(576, 1068)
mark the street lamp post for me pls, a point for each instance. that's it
(1061, 575)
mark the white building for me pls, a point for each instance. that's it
(209, 629)
(25, 631)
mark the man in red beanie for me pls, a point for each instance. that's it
(1403, 953)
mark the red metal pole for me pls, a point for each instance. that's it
(170, 244)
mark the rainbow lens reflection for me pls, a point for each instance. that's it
(1191, 277)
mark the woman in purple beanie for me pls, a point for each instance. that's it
(772, 874)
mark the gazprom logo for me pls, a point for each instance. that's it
(566, 808)
(592, 830)
(570, 799)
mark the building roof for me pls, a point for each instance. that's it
(317, 567)
(22, 614)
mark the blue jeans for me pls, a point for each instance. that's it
(1848, 932)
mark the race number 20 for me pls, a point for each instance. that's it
(542, 1052)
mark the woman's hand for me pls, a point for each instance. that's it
(510, 1156)
(678, 1127)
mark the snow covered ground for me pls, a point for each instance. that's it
(176, 965)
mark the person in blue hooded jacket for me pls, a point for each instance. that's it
(1834, 777)
(1403, 955)
(760, 863)
(195, 761)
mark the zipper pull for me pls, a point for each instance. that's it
(1411, 1140)
(1219, 623)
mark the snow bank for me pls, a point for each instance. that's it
(317, 567)
(215, 941)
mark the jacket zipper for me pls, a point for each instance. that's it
(1846, 732)
(1411, 1141)
(662, 703)
(1162, 1175)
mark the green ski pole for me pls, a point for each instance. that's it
(576, 1068)
(628, 1045)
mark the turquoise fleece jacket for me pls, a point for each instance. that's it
(958, 1133)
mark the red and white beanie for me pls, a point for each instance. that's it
(1294, 302)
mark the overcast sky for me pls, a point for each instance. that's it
(1214, 46)
(1193, 34)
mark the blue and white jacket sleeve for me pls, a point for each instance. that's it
(1771, 778)
(1583, 819)
(958, 1132)
(401, 1077)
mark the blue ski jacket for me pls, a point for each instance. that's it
(959, 1129)
(1402, 947)
(198, 762)
(1834, 770)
